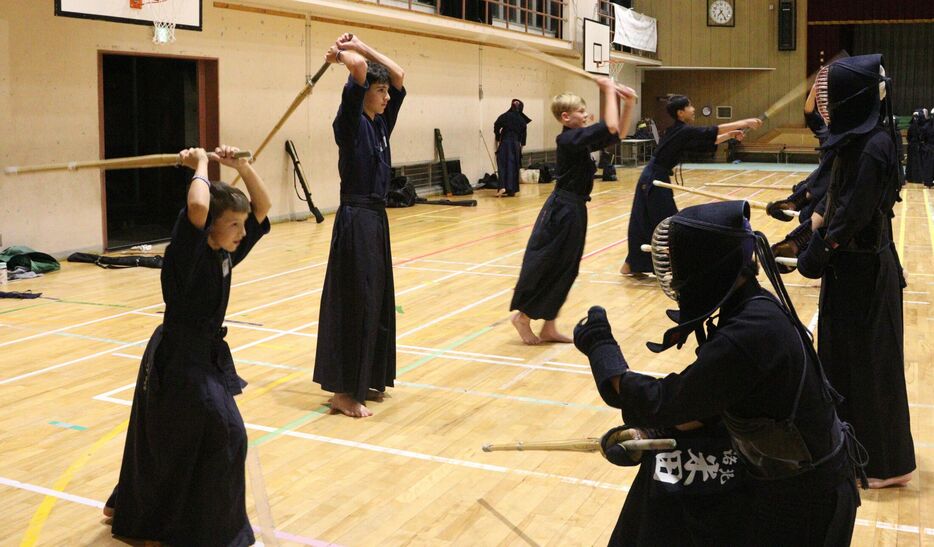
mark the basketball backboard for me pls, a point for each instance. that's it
(187, 12)
(596, 47)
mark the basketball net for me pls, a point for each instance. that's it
(616, 69)
(164, 16)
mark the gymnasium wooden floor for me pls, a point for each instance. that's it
(414, 473)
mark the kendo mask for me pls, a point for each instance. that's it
(851, 97)
(519, 106)
(699, 256)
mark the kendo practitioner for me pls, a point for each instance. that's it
(861, 328)
(182, 476)
(652, 204)
(509, 131)
(927, 147)
(807, 195)
(356, 353)
(668, 506)
(913, 171)
(755, 369)
(553, 254)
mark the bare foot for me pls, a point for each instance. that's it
(550, 334)
(501, 192)
(885, 483)
(376, 396)
(345, 404)
(524, 325)
(626, 269)
(108, 511)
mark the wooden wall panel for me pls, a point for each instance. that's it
(685, 40)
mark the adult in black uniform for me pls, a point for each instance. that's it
(356, 353)
(927, 148)
(755, 369)
(861, 329)
(509, 130)
(182, 476)
(552, 257)
(913, 172)
(652, 204)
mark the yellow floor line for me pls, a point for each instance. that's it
(45, 508)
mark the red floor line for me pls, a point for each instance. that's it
(484, 238)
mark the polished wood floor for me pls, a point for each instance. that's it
(414, 473)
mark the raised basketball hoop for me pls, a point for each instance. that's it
(616, 69)
(164, 16)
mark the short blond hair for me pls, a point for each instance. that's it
(566, 102)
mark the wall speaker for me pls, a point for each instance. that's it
(786, 25)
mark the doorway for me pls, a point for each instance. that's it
(152, 105)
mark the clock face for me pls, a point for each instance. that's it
(721, 12)
(706, 111)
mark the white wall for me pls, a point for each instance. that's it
(49, 106)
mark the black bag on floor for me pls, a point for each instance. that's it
(545, 172)
(401, 193)
(488, 181)
(460, 186)
(117, 262)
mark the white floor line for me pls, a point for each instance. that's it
(453, 313)
(464, 391)
(455, 352)
(108, 397)
(455, 274)
(488, 274)
(71, 362)
(274, 302)
(100, 505)
(49, 492)
(448, 461)
(271, 337)
(115, 316)
(420, 456)
(607, 221)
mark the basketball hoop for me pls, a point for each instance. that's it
(616, 69)
(164, 16)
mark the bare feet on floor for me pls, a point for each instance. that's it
(524, 326)
(626, 269)
(345, 404)
(501, 192)
(886, 483)
(376, 396)
(550, 333)
(108, 511)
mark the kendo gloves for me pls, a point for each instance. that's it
(594, 338)
(617, 454)
(795, 202)
(814, 259)
(794, 244)
(775, 209)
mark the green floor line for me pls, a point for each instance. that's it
(24, 308)
(64, 425)
(324, 409)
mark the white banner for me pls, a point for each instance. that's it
(634, 29)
